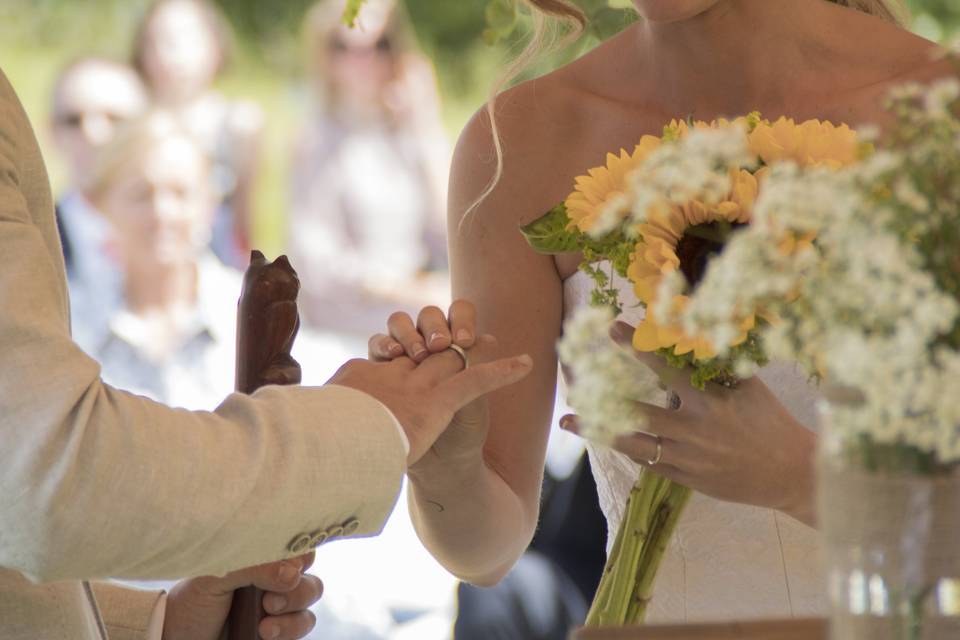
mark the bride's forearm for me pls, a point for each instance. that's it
(470, 519)
(801, 502)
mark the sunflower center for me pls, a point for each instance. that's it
(700, 243)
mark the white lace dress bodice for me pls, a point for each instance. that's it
(726, 561)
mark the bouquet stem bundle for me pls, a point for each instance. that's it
(650, 518)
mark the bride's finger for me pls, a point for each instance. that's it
(463, 323)
(441, 366)
(647, 449)
(661, 422)
(672, 377)
(403, 331)
(383, 348)
(433, 325)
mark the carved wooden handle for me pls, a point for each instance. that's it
(267, 324)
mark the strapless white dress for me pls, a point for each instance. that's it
(725, 561)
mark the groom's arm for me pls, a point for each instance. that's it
(96, 482)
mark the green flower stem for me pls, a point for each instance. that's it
(651, 515)
(666, 519)
(613, 594)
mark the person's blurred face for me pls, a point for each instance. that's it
(90, 102)
(667, 11)
(361, 61)
(180, 54)
(161, 205)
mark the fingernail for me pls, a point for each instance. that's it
(418, 350)
(524, 362)
(463, 335)
(395, 349)
(274, 632)
(288, 573)
(436, 337)
(274, 603)
(567, 423)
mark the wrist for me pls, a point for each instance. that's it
(800, 500)
(196, 609)
(450, 470)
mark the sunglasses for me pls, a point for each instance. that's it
(382, 46)
(74, 119)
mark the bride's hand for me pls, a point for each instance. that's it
(433, 333)
(739, 445)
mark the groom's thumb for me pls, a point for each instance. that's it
(479, 380)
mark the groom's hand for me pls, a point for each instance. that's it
(424, 397)
(197, 608)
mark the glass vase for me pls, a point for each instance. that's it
(891, 541)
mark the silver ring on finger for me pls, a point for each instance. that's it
(463, 355)
(659, 454)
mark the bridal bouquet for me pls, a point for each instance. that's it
(874, 302)
(657, 216)
(872, 307)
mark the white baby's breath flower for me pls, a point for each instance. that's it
(694, 168)
(611, 215)
(858, 306)
(906, 192)
(940, 98)
(606, 382)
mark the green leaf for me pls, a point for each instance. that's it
(351, 11)
(502, 19)
(501, 15)
(620, 4)
(549, 234)
(613, 247)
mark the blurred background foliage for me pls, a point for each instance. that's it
(468, 40)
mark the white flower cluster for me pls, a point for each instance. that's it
(695, 168)
(606, 382)
(856, 306)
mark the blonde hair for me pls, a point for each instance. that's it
(133, 140)
(568, 24)
(320, 28)
(574, 21)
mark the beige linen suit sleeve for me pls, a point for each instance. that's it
(130, 614)
(95, 482)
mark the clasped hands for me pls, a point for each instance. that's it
(424, 391)
(738, 445)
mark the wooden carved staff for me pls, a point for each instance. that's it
(267, 324)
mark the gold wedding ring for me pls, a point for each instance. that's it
(463, 355)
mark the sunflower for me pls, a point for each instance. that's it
(684, 238)
(811, 143)
(603, 187)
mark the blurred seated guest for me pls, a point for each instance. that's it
(171, 334)
(180, 49)
(369, 173)
(172, 339)
(91, 98)
(177, 302)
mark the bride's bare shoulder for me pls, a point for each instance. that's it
(550, 129)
